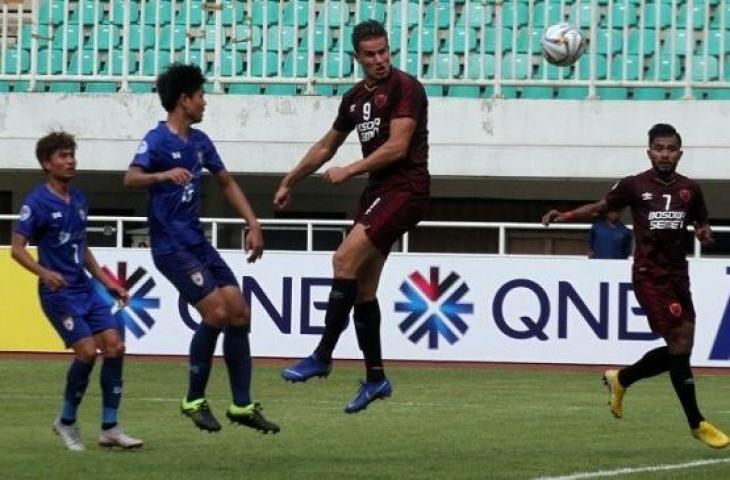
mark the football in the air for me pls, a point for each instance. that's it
(562, 44)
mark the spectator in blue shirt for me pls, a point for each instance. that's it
(609, 237)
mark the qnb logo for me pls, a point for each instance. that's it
(721, 347)
(135, 316)
(434, 308)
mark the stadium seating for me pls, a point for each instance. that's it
(653, 41)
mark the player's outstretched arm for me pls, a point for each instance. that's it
(92, 266)
(703, 232)
(318, 154)
(582, 213)
(237, 199)
(138, 178)
(394, 149)
(53, 280)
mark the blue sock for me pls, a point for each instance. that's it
(237, 353)
(111, 390)
(77, 379)
(202, 348)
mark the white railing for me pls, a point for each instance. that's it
(489, 44)
(118, 228)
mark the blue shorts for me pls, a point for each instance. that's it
(77, 315)
(195, 271)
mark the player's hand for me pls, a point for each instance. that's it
(178, 175)
(120, 293)
(549, 217)
(704, 234)
(254, 243)
(336, 175)
(281, 198)
(52, 280)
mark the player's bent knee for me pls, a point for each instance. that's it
(217, 316)
(115, 350)
(86, 354)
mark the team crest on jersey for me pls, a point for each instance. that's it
(352, 107)
(685, 195)
(63, 237)
(675, 309)
(647, 196)
(68, 323)
(380, 99)
(24, 213)
(197, 278)
(82, 214)
(142, 148)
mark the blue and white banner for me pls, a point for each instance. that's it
(437, 307)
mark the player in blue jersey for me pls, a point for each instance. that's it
(54, 217)
(170, 162)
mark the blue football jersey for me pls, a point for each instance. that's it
(59, 231)
(174, 210)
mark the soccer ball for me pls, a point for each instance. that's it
(562, 44)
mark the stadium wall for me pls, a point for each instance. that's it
(435, 307)
(469, 138)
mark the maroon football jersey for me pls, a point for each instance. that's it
(661, 212)
(369, 111)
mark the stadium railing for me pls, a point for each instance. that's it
(638, 49)
(324, 235)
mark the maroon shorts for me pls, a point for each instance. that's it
(386, 216)
(665, 298)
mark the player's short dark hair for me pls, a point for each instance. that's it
(46, 146)
(177, 80)
(663, 130)
(367, 30)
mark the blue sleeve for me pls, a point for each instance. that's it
(32, 219)
(143, 158)
(628, 240)
(592, 236)
(213, 161)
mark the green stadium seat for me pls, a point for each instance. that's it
(72, 37)
(535, 40)
(245, 89)
(705, 68)
(715, 42)
(657, 15)
(698, 15)
(50, 12)
(645, 93)
(26, 35)
(335, 62)
(480, 67)
(141, 37)
(52, 66)
(231, 64)
(246, 37)
(515, 13)
(107, 36)
(394, 38)
(12, 58)
(583, 67)
(264, 64)
(116, 14)
(623, 14)
(663, 71)
(324, 90)
(292, 59)
(91, 15)
(547, 13)
(196, 57)
(412, 66)
(612, 93)
(195, 14)
(232, 15)
(572, 93)
(680, 42)
(478, 13)
(510, 92)
(491, 42)
(610, 40)
(434, 90)
(323, 40)
(538, 93)
(396, 14)
(437, 14)
(65, 87)
(281, 89)
(148, 62)
(81, 62)
(516, 66)
(718, 94)
(633, 64)
(334, 14)
(551, 72)
(4, 86)
(464, 91)
(172, 37)
(117, 61)
(140, 87)
(295, 13)
(464, 39)
(677, 94)
(150, 12)
(717, 16)
(265, 13)
(582, 14)
(425, 41)
(371, 9)
(101, 87)
(281, 37)
(443, 66)
(649, 41)
(345, 38)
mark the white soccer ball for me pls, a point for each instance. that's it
(562, 44)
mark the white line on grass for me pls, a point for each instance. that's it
(629, 471)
